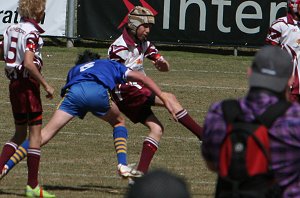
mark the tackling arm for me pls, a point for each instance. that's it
(148, 82)
(158, 60)
(161, 63)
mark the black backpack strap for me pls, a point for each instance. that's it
(273, 112)
(268, 117)
(231, 110)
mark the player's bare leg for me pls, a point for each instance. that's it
(57, 121)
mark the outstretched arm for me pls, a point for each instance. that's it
(148, 82)
(161, 64)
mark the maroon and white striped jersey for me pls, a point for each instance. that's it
(285, 32)
(17, 39)
(126, 51)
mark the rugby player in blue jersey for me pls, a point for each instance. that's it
(87, 89)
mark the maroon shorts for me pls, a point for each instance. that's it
(134, 100)
(24, 95)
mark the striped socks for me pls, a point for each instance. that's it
(8, 150)
(33, 162)
(188, 122)
(19, 155)
(120, 135)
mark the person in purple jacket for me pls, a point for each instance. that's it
(269, 80)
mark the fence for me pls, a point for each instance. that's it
(194, 22)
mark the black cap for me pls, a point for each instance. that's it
(271, 69)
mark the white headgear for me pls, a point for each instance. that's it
(138, 16)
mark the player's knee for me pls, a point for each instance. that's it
(119, 121)
(35, 118)
(157, 130)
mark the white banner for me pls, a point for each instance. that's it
(54, 22)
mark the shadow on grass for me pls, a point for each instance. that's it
(104, 189)
(10, 193)
(100, 188)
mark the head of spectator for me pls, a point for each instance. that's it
(271, 70)
(159, 184)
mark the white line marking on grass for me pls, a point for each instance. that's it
(108, 135)
(45, 104)
(205, 87)
(188, 85)
(63, 174)
(188, 70)
(193, 139)
(201, 71)
(20, 174)
(176, 70)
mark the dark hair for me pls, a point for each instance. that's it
(86, 56)
(159, 184)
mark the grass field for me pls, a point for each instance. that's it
(81, 162)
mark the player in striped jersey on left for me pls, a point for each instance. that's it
(21, 51)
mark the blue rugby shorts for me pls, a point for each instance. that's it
(85, 97)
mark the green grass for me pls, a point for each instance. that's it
(81, 162)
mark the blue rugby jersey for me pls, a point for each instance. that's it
(284, 138)
(107, 72)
